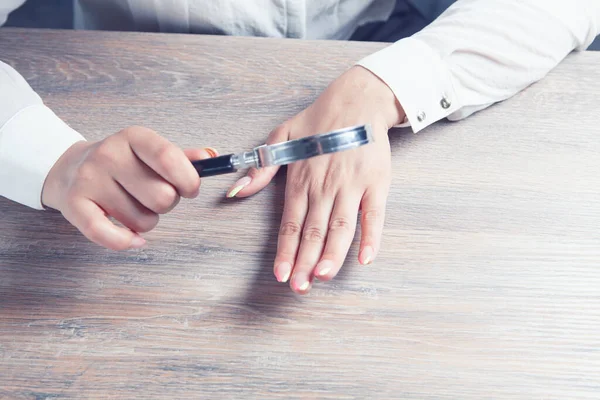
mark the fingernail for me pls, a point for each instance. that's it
(211, 152)
(304, 286)
(137, 242)
(367, 255)
(283, 272)
(300, 284)
(239, 185)
(324, 267)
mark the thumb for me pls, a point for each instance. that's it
(257, 179)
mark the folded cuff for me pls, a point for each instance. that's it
(419, 78)
(30, 144)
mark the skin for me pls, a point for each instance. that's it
(136, 175)
(324, 194)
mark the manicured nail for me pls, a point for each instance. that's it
(304, 286)
(324, 267)
(137, 242)
(367, 255)
(283, 272)
(211, 152)
(238, 186)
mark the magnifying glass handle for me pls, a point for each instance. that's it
(287, 152)
(215, 166)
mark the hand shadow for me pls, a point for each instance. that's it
(265, 294)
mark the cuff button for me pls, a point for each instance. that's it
(445, 103)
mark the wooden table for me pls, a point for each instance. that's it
(488, 284)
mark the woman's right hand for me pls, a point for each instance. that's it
(132, 176)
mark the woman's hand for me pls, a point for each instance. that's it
(324, 194)
(133, 176)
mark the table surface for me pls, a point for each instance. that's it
(487, 285)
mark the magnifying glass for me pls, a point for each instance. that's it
(287, 152)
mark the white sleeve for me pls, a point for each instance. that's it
(480, 52)
(32, 139)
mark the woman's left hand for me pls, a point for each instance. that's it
(324, 194)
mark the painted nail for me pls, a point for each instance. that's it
(367, 255)
(238, 186)
(211, 152)
(304, 286)
(137, 242)
(283, 272)
(324, 267)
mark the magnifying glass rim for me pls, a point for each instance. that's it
(325, 143)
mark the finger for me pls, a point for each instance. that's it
(118, 203)
(288, 241)
(372, 218)
(92, 222)
(166, 159)
(200, 154)
(145, 186)
(257, 179)
(342, 227)
(314, 233)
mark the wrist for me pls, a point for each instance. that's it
(380, 96)
(58, 178)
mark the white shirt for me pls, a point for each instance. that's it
(475, 54)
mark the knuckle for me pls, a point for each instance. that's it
(319, 183)
(92, 229)
(328, 186)
(86, 173)
(371, 215)
(105, 151)
(340, 224)
(290, 228)
(167, 157)
(334, 257)
(188, 187)
(313, 234)
(253, 173)
(164, 199)
(279, 134)
(147, 223)
(133, 130)
(295, 185)
(193, 187)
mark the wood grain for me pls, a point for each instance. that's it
(487, 286)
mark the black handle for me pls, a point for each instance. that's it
(215, 166)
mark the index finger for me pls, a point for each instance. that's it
(166, 159)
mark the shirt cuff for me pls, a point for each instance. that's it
(30, 144)
(419, 78)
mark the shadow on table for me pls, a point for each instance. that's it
(265, 295)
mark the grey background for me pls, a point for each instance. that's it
(59, 14)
